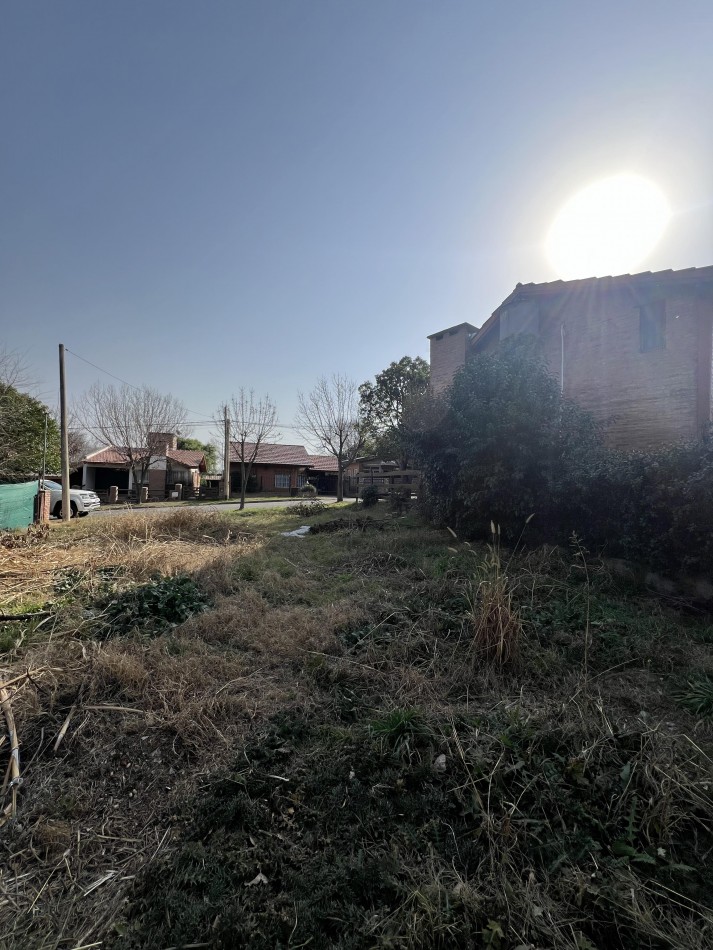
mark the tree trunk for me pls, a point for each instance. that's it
(340, 479)
(242, 484)
(138, 484)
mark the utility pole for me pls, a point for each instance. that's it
(66, 510)
(226, 453)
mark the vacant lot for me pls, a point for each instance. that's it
(373, 736)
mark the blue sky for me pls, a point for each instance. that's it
(203, 195)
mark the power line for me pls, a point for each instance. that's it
(89, 363)
(193, 412)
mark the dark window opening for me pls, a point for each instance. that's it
(652, 326)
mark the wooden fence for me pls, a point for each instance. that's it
(401, 481)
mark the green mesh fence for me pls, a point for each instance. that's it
(17, 505)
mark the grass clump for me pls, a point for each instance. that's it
(400, 728)
(697, 695)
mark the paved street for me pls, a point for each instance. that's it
(232, 506)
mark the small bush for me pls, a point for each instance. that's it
(308, 490)
(152, 607)
(370, 496)
(308, 509)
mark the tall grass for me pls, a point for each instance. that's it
(494, 623)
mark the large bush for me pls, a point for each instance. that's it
(504, 446)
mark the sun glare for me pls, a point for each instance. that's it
(609, 227)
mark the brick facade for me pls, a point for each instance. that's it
(265, 476)
(591, 335)
(643, 399)
(448, 354)
(157, 482)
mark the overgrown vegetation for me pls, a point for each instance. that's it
(370, 496)
(505, 446)
(366, 738)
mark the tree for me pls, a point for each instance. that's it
(13, 370)
(502, 445)
(128, 418)
(207, 448)
(331, 415)
(389, 403)
(79, 445)
(252, 423)
(22, 435)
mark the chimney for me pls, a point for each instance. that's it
(449, 351)
(161, 442)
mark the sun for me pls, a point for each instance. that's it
(609, 227)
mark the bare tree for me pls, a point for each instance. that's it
(13, 370)
(79, 442)
(127, 419)
(252, 423)
(331, 415)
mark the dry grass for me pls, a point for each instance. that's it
(349, 622)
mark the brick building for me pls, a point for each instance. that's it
(635, 350)
(168, 466)
(282, 469)
(277, 468)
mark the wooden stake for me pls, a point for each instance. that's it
(14, 764)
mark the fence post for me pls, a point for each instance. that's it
(42, 511)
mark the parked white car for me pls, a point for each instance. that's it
(81, 502)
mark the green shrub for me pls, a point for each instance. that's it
(308, 509)
(505, 446)
(308, 490)
(152, 607)
(370, 496)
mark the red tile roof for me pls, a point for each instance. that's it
(323, 463)
(118, 455)
(270, 453)
(112, 455)
(191, 458)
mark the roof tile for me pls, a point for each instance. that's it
(270, 453)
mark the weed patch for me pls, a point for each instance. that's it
(151, 607)
(408, 833)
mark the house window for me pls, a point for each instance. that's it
(282, 481)
(301, 481)
(522, 318)
(652, 326)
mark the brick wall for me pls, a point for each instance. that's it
(644, 399)
(43, 503)
(157, 482)
(448, 354)
(265, 475)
